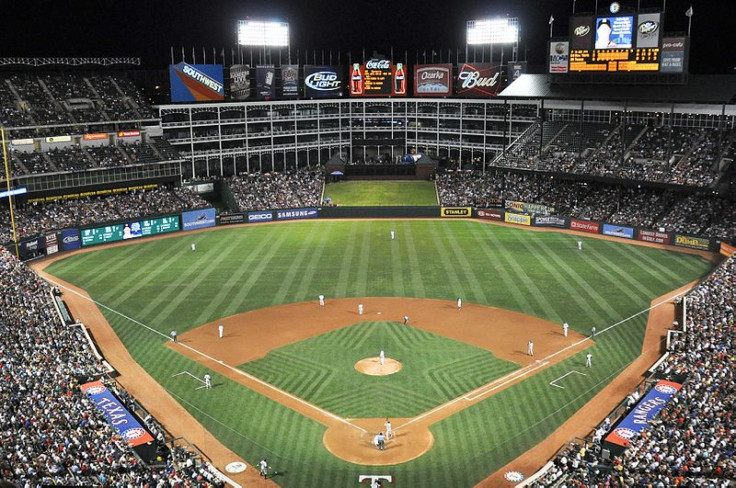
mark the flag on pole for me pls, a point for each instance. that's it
(689, 12)
(551, 19)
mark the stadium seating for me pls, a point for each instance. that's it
(261, 191)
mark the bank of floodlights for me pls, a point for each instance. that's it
(493, 31)
(263, 33)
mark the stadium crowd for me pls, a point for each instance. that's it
(291, 189)
(691, 441)
(52, 434)
(696, 214)
(35, 219)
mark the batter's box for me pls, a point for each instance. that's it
(563, 376)
(188, 374)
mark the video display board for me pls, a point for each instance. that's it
(614, 32)
(196, 82)
(129, 230)
(478, 80)
(376, 78)
(432, 80)
(322, 81)
(289, 80)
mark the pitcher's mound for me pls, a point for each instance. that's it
(373, 366)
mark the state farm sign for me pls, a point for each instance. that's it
(478, 80)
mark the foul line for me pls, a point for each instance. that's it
(563, 376)
(243, 373)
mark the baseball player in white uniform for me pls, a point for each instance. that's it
(592, 332)
(580, 245)
(530, 348)
(194, 247)
(392, 235)
(207, 381)
(381, 357)
(389, 430)
(406, 320)
(321, 300)
(459, 303)
(589, 360)
(221, 330)
(173, 336)
(360, 309)
(565, 326)
(263, 467)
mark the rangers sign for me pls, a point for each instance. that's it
(478, 80)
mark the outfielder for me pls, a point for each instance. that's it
(392, 235)
(389, 431)
(381, 357)
(221, 330)
(580, 245)
(592, 332)
(530, 348)
(589, 360)
(207, 381)
(194, 247)
(360, 309)
(564, 329)
(321, 300)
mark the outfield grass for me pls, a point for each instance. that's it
(321, 370)
(382, 193)
(164, 285)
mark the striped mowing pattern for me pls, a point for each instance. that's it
(165, 286)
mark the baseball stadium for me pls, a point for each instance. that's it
(270, 265)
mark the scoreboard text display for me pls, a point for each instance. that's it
(376, 78)
(129, 230)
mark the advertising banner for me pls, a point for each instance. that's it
(237, 218)
(726, 249)
(490, 214)
(432, 80)
(239, 82)
(196, 82)
(59, 139)
(129, 230)
(478, 80)
(648, 30)
(581, 33)
(265, 82)
(653, 236)
(516, 218)
(550, 221)
(198, 219)
(643, 413)
(559, 57)
(322, 81)
(22, 142)
(618, 231)
(31, 247)
(530, 208)
(515, 70)
(692, 242)
(129, 133)
(70, 239)
(585, 226)
(260, 216)
(289, 80)
(456, 212)
(377, 77)
(95, 137)
(52, 244)
(673, 55)
(298, 213)
(116, 414)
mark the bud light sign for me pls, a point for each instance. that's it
(322, 81)
(70, 239)
(198, 219)
(478, 80)
(432, 80)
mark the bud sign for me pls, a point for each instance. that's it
(478, 80)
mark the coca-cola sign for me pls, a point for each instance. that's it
(377, 77)
(378, 64)
(432, 80)
(478, 80)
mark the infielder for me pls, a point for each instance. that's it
(389, 431)
(321, 300)
(194, 247)
(381, 357)
(592, 332)
(173, 336)
(360, 309)
(263, 467)
(580, 245)
(564, 329)
(406, 320)
(589, 360)
(221, 330)
(207, 381)
(459, 303)
(530, 348)
(392, 235)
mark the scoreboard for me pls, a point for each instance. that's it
(615, 60)
(129, 230)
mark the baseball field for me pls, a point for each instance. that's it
(468, 398)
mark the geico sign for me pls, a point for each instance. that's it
(472, 79)
(323, 81)
(378, 64)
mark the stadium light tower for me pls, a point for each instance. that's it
(487, 32)
(265, 34)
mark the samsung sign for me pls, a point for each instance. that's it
(299, 213)
(322, 81)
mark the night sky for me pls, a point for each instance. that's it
(149, 28)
